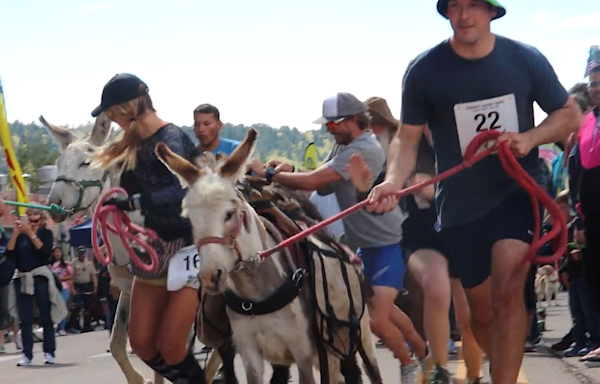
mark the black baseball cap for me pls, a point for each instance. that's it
(123, 87)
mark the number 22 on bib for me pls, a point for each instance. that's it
(499, 113)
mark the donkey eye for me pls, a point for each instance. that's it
(84, 164)
(229, 215)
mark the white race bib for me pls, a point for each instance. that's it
(499, 113)
(183, 267)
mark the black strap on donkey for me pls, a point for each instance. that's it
(284, 295)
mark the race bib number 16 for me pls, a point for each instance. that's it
(499, 113)
(183, 267)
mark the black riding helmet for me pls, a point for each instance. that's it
(442, 7)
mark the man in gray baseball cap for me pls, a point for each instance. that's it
(340, 106)
(375, 237)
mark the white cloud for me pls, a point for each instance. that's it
(583, 21)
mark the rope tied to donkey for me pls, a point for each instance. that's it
(129, 232)
(557, 234)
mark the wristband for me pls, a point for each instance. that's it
(270, 173)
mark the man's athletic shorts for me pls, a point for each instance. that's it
(470, 245)
(383, 266)
(415, 237)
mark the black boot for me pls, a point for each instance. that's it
(187, 371)
(157, 364)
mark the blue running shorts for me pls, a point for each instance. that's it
(383, 266)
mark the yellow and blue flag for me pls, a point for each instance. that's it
(14, 169)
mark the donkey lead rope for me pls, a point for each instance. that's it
(125, 228)
(558, 233)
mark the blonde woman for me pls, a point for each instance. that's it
(160, 320)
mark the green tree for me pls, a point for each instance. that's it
(34, 148)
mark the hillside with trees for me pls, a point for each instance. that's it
(35, 147)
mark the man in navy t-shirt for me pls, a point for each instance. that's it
(473, 82)
(207, 125)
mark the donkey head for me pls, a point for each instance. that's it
(220, 217)
(77, 186)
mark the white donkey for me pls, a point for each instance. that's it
(77, 188)
(229, 234)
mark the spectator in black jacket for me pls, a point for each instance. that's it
(30, 247)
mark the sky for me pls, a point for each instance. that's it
(258, 61)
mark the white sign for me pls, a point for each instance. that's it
(183, 267)
(499, 113)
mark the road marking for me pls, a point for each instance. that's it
(200, 356)
(106, 354)
(461, 370)
(8, 358)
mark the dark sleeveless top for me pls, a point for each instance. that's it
(160, 191)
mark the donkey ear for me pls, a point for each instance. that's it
(187, 173)
(63, 136)
(100, 130)
(234, 167)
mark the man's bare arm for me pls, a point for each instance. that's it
(557, 126)
(308, 181)
(402, 156)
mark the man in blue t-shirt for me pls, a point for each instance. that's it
(473, 82)
(207, 125)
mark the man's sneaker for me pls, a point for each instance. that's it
(62, 332)
(573, 351)
(24, 362)
(439, 375)
(529, 347)
(427, 365)
(48, 358)
(409, 373)
(2, 349)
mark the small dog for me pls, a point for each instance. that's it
(547, 285)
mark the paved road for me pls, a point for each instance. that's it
(83, 359)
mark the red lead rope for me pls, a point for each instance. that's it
(558, 233)
(125, 228)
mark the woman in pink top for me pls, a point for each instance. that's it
(589, 185)
(65, 273)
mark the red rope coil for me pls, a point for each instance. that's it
(129, 232)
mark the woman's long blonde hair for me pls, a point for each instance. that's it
(125, 150)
